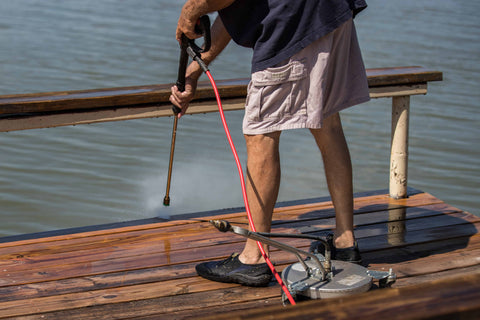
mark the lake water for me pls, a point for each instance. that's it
(84, 175)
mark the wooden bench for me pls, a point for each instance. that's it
(43, 110)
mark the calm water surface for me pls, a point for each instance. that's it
(84, 175)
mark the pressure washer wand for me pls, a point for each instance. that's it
(166, 199)
(182, 68)
(187, 47)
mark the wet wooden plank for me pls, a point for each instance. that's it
(428, 277)
(170, 288)
(189, 306)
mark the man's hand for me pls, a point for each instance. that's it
(192, 11)
(182, 99)
(220, 39)
(187, 20)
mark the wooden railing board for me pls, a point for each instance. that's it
(401, 75)
(136, 96)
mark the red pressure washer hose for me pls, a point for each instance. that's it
(242, 182)
(203, 27)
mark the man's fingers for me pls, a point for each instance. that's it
(187, 27)
(180, 99)
(178, 103)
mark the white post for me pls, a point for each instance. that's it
(399, 147)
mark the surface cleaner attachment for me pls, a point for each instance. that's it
(316, 276)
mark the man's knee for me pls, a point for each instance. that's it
(263, 143)
(331, 127)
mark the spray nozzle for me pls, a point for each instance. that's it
(221, 225)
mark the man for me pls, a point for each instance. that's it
(306, 67)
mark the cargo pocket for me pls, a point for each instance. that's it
(279, 92)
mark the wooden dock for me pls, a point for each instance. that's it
(145, 269)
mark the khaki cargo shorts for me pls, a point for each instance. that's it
(322, 79)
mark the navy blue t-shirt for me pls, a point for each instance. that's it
(277, 29)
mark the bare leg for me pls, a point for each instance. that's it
(263, 181)
(338, 170)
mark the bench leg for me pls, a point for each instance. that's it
(399, 147)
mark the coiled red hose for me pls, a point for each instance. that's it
(244, 191)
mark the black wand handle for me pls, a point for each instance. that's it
(182, 68)
(189, 47)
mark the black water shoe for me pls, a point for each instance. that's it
(231, 270)
(351, 254)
